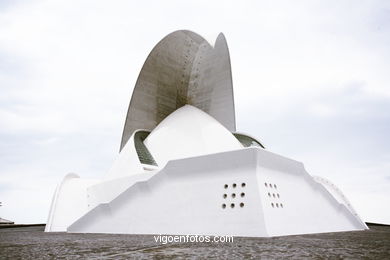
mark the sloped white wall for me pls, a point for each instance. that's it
(187, 197)
(69, 202)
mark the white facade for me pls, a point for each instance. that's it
(190, 174)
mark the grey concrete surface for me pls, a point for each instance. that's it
(33, 243)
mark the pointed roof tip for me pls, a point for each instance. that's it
(220, 39)
(221, 35)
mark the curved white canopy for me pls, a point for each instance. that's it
(189, 132)
(183, 68)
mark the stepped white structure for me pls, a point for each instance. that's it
(183, 168)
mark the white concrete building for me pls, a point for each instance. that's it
(183, 169)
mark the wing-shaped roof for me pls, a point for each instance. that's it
(183, 68)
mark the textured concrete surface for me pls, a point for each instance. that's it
(33, 243)
(183, 68)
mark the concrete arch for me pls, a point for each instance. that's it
(183, 68)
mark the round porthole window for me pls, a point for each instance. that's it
(233, 195)
(226, 186)
(223, 206)
(241, 204)
(234, 185)
(242, 194)
(232, 205)
(224, 196)
(243, 184)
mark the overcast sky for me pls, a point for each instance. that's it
(311, 81)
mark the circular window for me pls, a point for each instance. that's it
(278, 195)
(275, 186)
(233, 195)
(234, 185)
(232, 205)
(265, 184)
(224, 196)
(277, 205)
(223, 206)
(242, 194)
(281, 205)
(272, 204)
(243, 184)
(241, 204)
(269, 194)
(273, 195)
(226, 186)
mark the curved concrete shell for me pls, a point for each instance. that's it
(177, 137)
(183, 68)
